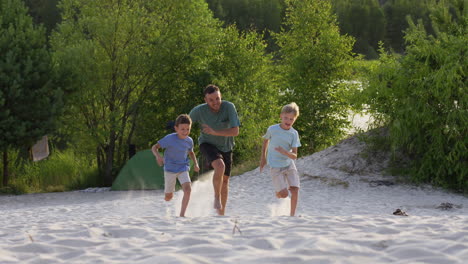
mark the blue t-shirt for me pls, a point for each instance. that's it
(226, 118)
(287, 139)
(176, 152)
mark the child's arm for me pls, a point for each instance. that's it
(264, 152)
(195, 162)
(159, 158)
(290, 154)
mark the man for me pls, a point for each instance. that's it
(219, 125)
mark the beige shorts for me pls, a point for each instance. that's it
(285, 177)
(171, 177)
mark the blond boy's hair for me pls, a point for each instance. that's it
(291, 108)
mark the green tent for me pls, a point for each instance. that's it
(141, 172)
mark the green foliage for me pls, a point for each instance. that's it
(365, 21)
(396, 12)
(44, 12)
(60, 172)
(423, 98)
(262, 16)
(246, 77)
(315, 62)
(185, 39)
(28, 100)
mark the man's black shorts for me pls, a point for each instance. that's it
(210, 153)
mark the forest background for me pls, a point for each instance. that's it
(101, 77)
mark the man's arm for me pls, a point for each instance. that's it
(228, 132)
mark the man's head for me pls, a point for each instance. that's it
(182, 126)
(213, 97)
(289, 114)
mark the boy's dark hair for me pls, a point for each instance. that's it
(183, 119)
(211, 88)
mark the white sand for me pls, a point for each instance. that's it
(343, 217)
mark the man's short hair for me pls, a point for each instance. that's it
(183, 119)
(211, 88)
(291, 108)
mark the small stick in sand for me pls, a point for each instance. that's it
(30, 237)
(236, 227)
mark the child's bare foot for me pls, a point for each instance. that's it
(168, 197)
(217, 204)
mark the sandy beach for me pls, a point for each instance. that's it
(345, 215)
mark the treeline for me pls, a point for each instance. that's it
(367, 21)
(111, 74)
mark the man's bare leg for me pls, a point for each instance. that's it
(294, 197)
(218, 166)
(186, 187)
(224, 194)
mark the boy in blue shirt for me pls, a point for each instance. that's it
(177, 147)
(279, 150)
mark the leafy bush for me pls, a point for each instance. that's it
(423, 98)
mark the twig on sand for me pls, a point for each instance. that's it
(236, 227)
(30, 237)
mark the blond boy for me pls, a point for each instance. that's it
(279, 151)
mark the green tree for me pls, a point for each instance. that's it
(423, 96)
(315, 61)
(28, 100)
(102, 55)
(365, 21)
(263, 16)
(44, 12)
(396, 12)
(244, 71)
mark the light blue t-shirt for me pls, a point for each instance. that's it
(176, 152)
(226, 117)
(287, 139)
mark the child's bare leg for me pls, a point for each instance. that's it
(282, 194)
(168, 196)
(187, 188)
(294, 197)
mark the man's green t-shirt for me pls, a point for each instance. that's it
(226, 117)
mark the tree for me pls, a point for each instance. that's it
(103, 53)
(315, 61)
(396, 12)
(423, 97)
(365, 21)
(28, 100)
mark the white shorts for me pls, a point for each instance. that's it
(171, 177)
(285, 177)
